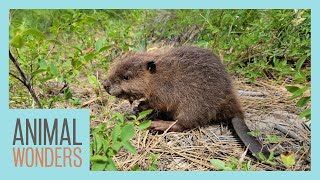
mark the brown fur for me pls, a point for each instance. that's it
(188, 83)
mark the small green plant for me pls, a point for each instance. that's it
(302, 76)
(298, 92)
(273, 139)
(107, 142)
(153, 159)
(153, 163)
(267, 160)
(137, 120)
(255, 133)
(232, 165)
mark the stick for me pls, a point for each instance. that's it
(288, 132)
(251, 93)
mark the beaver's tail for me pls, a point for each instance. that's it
(249, 141)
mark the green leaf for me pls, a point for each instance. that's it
(92, 80)
(262, 157)
(111, 152)
(99, 44)
(218, 164)
(75, 63)
(105, 145)
(105, 48)
(111, 166)
(78, 49)
(38, 71)
(300, 62)
(67, 94)
(98, 158)
(119, 117)
(53, 69)
(303, 101)
(255, 133)
(17, 41)
(306, 113)
(129, 147)
(228, 169)
(98, 141)
(300, 76)
(98, 166)
(34, 33)
(144, 125)
(53, 41)
(132, 117)
(215, 30)
(292, 89)
(43, 64)
(288, 159)
(127, 132)
(136, 168)
(144, 114)
(115, 133)
(116, 145)
(273, 139)
(91, 149)
(297, 92)
(89, 56)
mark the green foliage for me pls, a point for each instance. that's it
(273, 139)
(303, 101)
(153, 163)
(107, 142)
(137, 120)
(255, 133)
(153, 159)
(59, 45)
(232, 165)
(268, 160)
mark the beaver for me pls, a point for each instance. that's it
(189, 84)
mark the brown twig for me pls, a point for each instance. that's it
(15, 76)
(54, 44)
(52, 48)
(24, 80)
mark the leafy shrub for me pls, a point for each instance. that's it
(107, 142)
(58, 45)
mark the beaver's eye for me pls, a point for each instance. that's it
(125, 77)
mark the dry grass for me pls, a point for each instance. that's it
(192, 150)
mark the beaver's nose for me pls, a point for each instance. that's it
(106, 86)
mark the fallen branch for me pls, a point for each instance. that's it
(90, 101)
(288, 132)
(251, 93)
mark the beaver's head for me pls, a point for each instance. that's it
(128, 79)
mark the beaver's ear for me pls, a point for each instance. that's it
(151, 67)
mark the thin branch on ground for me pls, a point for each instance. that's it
(288, 132)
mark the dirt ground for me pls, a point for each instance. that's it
(268, 112)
